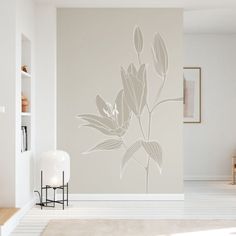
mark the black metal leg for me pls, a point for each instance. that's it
(54, 196)
(46, 195)
(52, 203)
(67, 201)
(63, 192)
(41, 197)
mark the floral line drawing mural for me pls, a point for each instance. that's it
(131, 101)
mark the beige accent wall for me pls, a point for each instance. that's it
(92, 46)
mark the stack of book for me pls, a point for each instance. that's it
(24, 138)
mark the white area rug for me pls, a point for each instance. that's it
(141, 228)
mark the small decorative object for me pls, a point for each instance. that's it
(24, 68)
(192, 95)
(24, 103)
(55, 174)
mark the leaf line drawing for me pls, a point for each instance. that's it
(114, 119)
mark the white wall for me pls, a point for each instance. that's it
(7, 99)
(208, 146)
(16, 172)
(17, 17)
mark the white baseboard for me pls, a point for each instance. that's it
(9, 226)
(207, 178)
(125, 197)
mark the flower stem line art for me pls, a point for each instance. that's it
(134, 158)
(114, 119)
(141, 128)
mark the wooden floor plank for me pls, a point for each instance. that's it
(6, 214)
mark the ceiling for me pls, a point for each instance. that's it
(200, 16)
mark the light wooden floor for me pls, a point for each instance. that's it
(203, 200)
(6, 213)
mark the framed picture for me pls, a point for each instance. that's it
(192, 95)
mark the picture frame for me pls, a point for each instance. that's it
(192, 94)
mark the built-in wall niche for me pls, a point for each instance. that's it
(25, 133)
(26, 94)
(26, 55)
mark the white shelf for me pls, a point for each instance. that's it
(25, 113)
(25, 75)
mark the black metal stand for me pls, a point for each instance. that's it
(49, 202)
